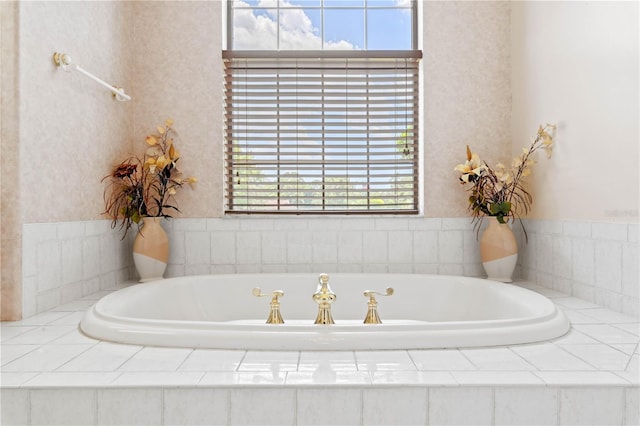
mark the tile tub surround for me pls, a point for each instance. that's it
(242, 244)
(64, 261)
(589, 376)
(595, 261)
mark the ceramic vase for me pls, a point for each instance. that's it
(498, 251)
(151, 250)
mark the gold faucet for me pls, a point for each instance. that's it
(324, 297)
(372, 311)
(274, 315)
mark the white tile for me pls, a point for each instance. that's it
(550, 357)
(254, 378)
(212, 360)
(630, 269)
(609, 231)
(75, 306)
(269, 361)
(603, 357)
(450, 247)
(629, 328)
(71, 379)
(409, 406)
(550, 227)
(15, 406)
(290, 223)
(9, 332)
(327, 376)
(430, 378)
(90, 257)
(197, 248)
(9, 353)
(45, 358)
(336, 361)
(601, 406)
(223, 224)
(606, 333)
(574, 303)
(544, 253)
(40, 335)
(129, 406)
(384, 361)
(355, 223)
(68, 318)
(299, 247)
(71, 260)
(375, 247)
(49, 265)
(608, 267)
(400, 247)
(223, 248)
(562, 257)
(392, 224)
(262, 407)
(10, 380)
(496, 359)
(583, 261)
(425, 223)
(195, 406)
(577, 317)
(425, 246)
(574, 337)
(40, 319)
(580, 378)
(471, 246)
(256, 224)
(577, 229)
(248, 248)
(274, 247)
(104, 356)
(188, 224)
(350, 247)
(610, 317)
(156, 359)
(63, 406)
(345, 406)
(460, 406)
(75, 337)
(438, 359)
(526, 406)
(157, 378)
(494, 378)
(324, 247)
(632, 407)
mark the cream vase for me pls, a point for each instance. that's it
(151, 250)
(498, 251)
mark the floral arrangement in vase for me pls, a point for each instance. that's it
(144, 186)
(500, 192)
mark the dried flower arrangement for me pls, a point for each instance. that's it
(501, 192)
(145, 186)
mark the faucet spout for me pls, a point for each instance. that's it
(324, 297)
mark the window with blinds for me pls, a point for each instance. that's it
(320, 131)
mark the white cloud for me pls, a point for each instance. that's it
(297, 32)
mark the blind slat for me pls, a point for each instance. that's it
(333, 134)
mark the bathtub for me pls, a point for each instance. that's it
(425, 311)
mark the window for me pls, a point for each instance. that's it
(321, 107)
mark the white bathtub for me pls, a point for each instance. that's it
(426, 311)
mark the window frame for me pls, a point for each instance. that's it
(414, 53)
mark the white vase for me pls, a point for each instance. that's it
(498, 251)
(151, 250)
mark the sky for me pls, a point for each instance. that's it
(384, 25)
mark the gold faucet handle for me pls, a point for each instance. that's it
(274, 314)
(257, 292)
(372, 307)
(372, 294)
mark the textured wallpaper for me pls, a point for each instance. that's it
(71, 130)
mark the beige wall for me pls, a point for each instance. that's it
(178, 75)
(467, 95)
(70, 128)
(576, 64)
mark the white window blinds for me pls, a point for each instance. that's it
(336, 134)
